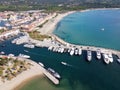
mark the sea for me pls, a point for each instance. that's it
(94, 27)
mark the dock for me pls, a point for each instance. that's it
(91, 48)
(50, 76)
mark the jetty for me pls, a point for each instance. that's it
(49, 76)
(91, 48)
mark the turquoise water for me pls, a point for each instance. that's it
(95, 27)
(80, 74)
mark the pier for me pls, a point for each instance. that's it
(91, 48)
(49, 76)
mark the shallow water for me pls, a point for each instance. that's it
(95, 27)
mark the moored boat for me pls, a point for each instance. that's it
(72, 51)
(89, 55)
(118, 60)
(41, 64)
(55, 74)
(23, 56)
(106, 58)
(98, 54)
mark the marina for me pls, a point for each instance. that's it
(59, 46)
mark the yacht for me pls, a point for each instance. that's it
(118, 60)
(50, 48)
(23, 56)
(55, 74)
(79, 51)
(106, 58)
(2, 52)
(72, 51)
(11, 55)
(41, 64)
(89, 55)
(110, 57)
(98, 53)
(62, 50)
(76, 51)
(29, 45)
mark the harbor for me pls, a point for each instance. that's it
(58, 45)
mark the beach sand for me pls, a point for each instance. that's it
(35, 70)
(49, 27)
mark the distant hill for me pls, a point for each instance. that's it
(42, 2)
(56, 5)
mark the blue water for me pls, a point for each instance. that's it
(86, 28)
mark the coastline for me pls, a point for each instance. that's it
(49, 27)
(27, 81)
(34, 71)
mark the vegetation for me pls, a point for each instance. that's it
(37, 36)
(1, 31)
(56, 5)
(10, 68)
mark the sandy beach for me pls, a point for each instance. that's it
(35, 70)
(49, 27)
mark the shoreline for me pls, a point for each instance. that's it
(84, 47)
(49, 27)
(27, 81)
(34, 71)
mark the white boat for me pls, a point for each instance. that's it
(23, 56)
(106, 58)
(76, 51)
(41, 64)
(64, 63)
(118, 60)
(50, 48)
(11, 55)
(54, 49)
(29, 45)
(68, 50)
(72, 51)
(55, 74)
(89, 55)
(110, 57)
(2, 52)
(62, 50)
(98, 53)
(79, 51)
